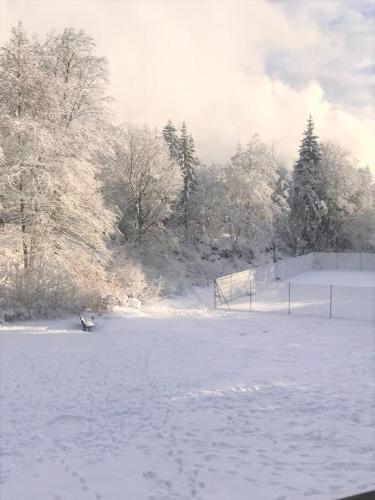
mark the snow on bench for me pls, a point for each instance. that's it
(86, 323)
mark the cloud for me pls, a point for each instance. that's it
(229, 69)
(343, 55)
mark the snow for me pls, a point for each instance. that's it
(176, 401)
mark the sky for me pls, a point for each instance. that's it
(230, 69)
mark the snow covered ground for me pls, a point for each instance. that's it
(177, 401)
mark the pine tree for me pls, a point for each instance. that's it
(188, 163)
(309, 150)
(171, 138)
(307, 198)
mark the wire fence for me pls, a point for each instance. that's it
(271, 288)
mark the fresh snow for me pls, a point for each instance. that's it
(177, 401)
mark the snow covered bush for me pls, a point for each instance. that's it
(151, 266)
(52, 286)
(132, 281)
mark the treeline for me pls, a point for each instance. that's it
(91, 212)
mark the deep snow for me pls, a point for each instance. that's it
(180, 402)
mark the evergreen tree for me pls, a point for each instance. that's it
(309, 150)
(171, 138)
(188, 163)
(308, 208)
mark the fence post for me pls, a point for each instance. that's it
(215, 293)
(230, 288)
(289, 311)
(330, 301)
(250, 294)
(336, 261)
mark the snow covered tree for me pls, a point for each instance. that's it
(348, 196)
(54, 218)
(188, 162)
(236, 201)
(251, 181)
(143, 181)
(338, 176)
(363, 191)
(172, 140)
(281, 208)
(307, 206)
(358, 229)
(208, 196)
(25, 101)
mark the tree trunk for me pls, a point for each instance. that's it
(23, 229)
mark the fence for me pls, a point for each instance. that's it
(271, 288)
(344, 261)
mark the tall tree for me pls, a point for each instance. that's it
(339, 176)
(281, 209)
(250, 182)
(358, 232)
(307, 196)
(52, 109)
(188, 162)
(26, 103)
(172, 140)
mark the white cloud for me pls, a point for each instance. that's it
(208, 63)
(342, 57)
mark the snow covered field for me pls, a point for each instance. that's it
(177, 402)
(353, 295)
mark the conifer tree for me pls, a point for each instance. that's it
(188, 162)
(171, 138)
(307, 197)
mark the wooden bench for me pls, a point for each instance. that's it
(86, 323)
